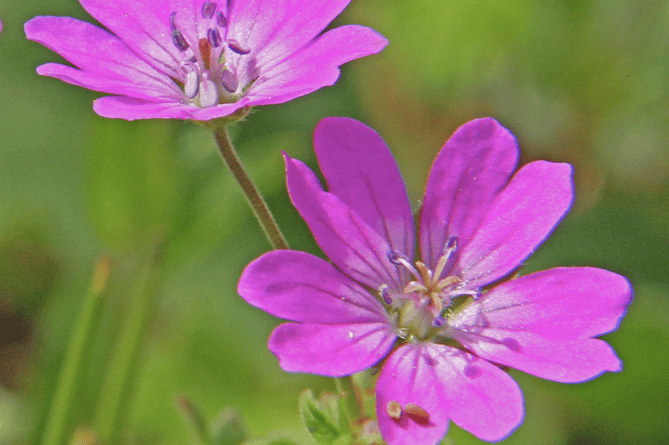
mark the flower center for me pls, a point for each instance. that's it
(209, 77)
(424, 302)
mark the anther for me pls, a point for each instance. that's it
(220, 19)
(394, 410)
(385, 294)
(229, 81)
(214, 37)
(208, 9)
(438, 322)
(418, 414)
(177, 37)
(237, 47)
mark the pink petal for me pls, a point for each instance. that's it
(448, 384)
(301, 287)
(565, 302)
(522, 216)
(566, 361)
(361, 172)
(330, 350)
(144, 26)
(130, 109)
(541, 323)
(98, 53)
(471, 169)
(347, 240)
(316, 65)
(302, 23)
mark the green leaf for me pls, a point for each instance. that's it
(317, 416)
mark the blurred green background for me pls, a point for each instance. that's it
(585, 82)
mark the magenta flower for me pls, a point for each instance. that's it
(195, 59)
(442, 327)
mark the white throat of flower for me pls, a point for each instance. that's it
(206, 79)
(423, 305)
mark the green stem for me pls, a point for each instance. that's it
(255, 200)
(61, 406)
(122, 370)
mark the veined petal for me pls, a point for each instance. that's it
(520, 219)
(102, 83)
(361, 172)
(447, 384)
(144, 26)
(98, 53)
(565, 302)
(347, 240)
(302, 23)
(561, 360)
(330, 350)
(252, 22)
(542, 323)
(301, 287)
(471, 169)
(316, 65)
(130, 108)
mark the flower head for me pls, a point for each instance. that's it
(445, 323)
(197, 59)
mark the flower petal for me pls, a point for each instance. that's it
(470, 170)
(347, 240)
(144, 26)
(330, 350)
(316, 65)
(130, 109)
(522, 216)
(361, 172)
(302, 23)
(447, 384)
(301, 287)
(565, 302)
(541, 323)
(99, 54)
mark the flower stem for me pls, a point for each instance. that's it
(61, 409)
(255, 200)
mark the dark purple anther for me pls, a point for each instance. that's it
(394, 258)
(385, 294)
(229, 81)
(236, 47)
(438, 322)
(214, 37)
(208, 9)
(220, 19)
(177, 38)
(452, 243)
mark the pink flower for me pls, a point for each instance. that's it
(446, 323)
(195, 59)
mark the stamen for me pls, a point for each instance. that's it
(191, 84)
(385, 294)
(451, 246)
(394, 410)
(177, 37)
(205, 51)
(214, 37)
(399, 260)
(438, 321)
(208, 91)
(418, 414)
(229, 81)
(208, 9)
(220, 19)
(237, 47)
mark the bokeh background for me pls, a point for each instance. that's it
(579, 81)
